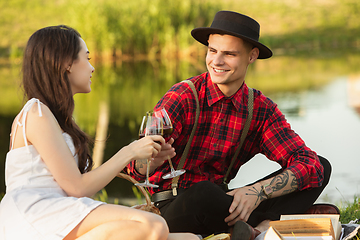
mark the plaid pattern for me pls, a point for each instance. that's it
(220, 125)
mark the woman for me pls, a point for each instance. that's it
(48, 165)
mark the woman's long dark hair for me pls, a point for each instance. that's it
(48, 53)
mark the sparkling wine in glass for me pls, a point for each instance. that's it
(167, 130)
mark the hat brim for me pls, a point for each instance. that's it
(202, 36)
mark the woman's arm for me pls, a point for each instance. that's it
(46, 136)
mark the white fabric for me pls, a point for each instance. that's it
(34, 206)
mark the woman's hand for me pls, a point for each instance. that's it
(158, 159)
(146, 147)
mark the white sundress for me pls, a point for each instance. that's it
(34, 206)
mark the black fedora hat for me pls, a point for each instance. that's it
(235, 24)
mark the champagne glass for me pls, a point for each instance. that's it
(151, 125)
(167, 130)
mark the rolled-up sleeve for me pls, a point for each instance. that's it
(281, 144)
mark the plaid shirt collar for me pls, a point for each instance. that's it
(216, 95)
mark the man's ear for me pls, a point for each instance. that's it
(254, 54)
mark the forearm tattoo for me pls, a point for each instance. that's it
(259, 194)
(293, 185)
(281, 181)
(141, 165)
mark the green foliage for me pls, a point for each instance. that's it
(103, 197)
(161, 28)
(137, 194)
(350, 211)
(112, 26)
(11, 94)
(20, 18)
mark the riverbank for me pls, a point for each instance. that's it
(140, 29)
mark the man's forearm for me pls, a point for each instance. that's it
(140, 166)
(284, 183)
(281, 184)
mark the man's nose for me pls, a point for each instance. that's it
(218, 59)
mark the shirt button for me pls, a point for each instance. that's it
(221, 119)
(214, 145)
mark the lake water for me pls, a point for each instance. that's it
(312, 92)
(330, 126)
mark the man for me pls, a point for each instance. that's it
(198, 202)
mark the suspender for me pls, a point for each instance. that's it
(245, 131)
(175, 180)
(242, 137)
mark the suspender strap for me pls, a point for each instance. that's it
(245, 131)
(175, 180)
(242, 138)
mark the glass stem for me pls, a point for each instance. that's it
(171, 166)
(147, 170)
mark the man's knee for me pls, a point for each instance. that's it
(206, 188)
(327, 169)
(207, 194)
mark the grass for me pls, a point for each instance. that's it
(350, 211)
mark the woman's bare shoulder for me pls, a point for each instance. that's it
(41, 112)
(40, 119)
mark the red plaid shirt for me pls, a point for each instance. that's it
(221, 122)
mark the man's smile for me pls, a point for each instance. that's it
(219, 70)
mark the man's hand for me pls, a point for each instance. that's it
(246, 199)
(167, 151)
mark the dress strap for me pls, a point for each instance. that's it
(25, 110)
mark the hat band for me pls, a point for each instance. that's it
(236, 28)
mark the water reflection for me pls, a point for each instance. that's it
(310, 92)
